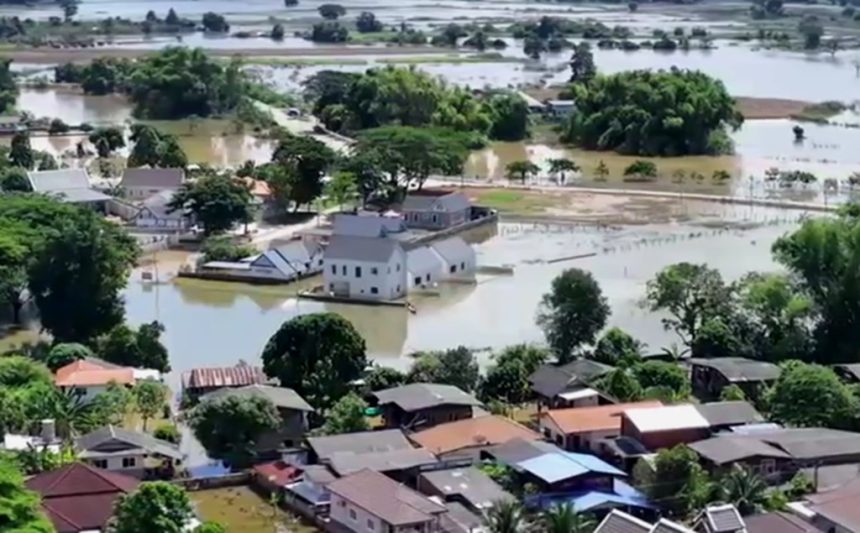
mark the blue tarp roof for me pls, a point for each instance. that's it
(558, 465)
(593, 463)
(623, 495)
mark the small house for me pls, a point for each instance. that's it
(664, 426)
(560, 108)
(586, 429)
(710, 376)
(725, 415)
(70, 185)
(368, 225)
(310, 493)
(89, 377)
(199, 381)
(618, 521)
(466, 438)
(324, 447)
(155, 214)
(372, 268)
(129, 452)
(558, 386)
(458, 258)
(142, 183)
(422, 405)
(435, 209)
(722, 518)
(467, 486)
(425, 267)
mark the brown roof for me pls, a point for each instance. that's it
(482, 431)
(778, 522)
(79, 497)
(598, 418)
(383, 497)
(88, 372)
(233, 376)
(839, 505)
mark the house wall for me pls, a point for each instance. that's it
(435, 220)
(425, 418)
(340, 277)
(575, 442)
(147, 221)
(115, 464)
(289, 435)
(460, 266)
(141, 193)
(654, 440)
(353, 517)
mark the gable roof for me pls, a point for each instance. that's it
(729, 413)
(90, 443)
(813, 443)
(231, 376)
(418, 396)
(724, 519)
(550, 380)
(447, 201)
(778, 522)
(452, 250)
(366, 225)
(345, 463)
(469, 484)
(78, 497)
(597, 418)
(360, 442)
(739, 369)
(666, 418)
(549, 462)
(480, 431)
(422, 259)
(156, 178)
(290, 258)
(370, 249)
(282, 397)
(383, 497)
(159, 206)
(90, 372)
(620, 522)
(722, 450)
(56, 181)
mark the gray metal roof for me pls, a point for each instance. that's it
(453, 249)
(417, 396)
(814, 443)
(366, 225)
(103, 441)
(724, 519)
(157, 205)
(550, 380)
(470, 484)
(619, 522)
(54, 181)
(729, 413)
(282, 397)
(422, 259)
(369, 249)
(158, 178)
(739, 369)
(728, 449)
(778, 522)
(361, 442)
(461, 519)
(450, 202)
(346, 463)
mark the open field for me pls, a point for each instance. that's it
(240, 509)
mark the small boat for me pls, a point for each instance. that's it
(411, 308)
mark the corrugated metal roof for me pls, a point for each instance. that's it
(234, 376)
(50, 181)
(153, 177)
(453, 250)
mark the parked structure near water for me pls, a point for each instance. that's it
(155, 214)
(435, 209)
(142, 183)
(283, 263)
(372, 268)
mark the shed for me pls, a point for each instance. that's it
(424, 266)
(458, 258)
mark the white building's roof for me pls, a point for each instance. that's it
(368, 249)
(666, 418)
(453, 250)
(422, 259)
(20, 443)
(578, 394)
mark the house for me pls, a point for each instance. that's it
(11, 124)
(71, 185)
(586, 429)
(199, 381)
(142, 183)
(458, 258)
(155, 213)
(664, 426)
(724, 415)
(310, 493)
(402, 465)
(274, 476)
(90, 377)
(720, 453)
(836, 511)
(620, 522)
(468, 486)
(710, 376)
(371, 268)
(129, 452)
(778, 522)
(723, 518)
(292, 408)
(80, 498)
(558, 386)
(465, 439)
(435, 210)
(582, 480)
(560, 108)
(370, 501)
(460, 519)
(534, 105)
(369, 225)
(286, 262)
(424, 405)
(424, 266)
(323, 448)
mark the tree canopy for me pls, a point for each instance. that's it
(663, 113)
(455, 366)
(216, 201)
(140, 348)
(153, 506)
(346, 416)
(20, 510)
(229, 427)
(811, 395)
(318, 355)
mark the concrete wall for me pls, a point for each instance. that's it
(436, 220)
(389, 282)
(117, 463)
(354, 517)
(586, 442)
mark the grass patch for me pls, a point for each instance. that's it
(372, 37)
(514, 202)
(450, 59)
(242, 509)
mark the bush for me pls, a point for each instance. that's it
(168, 432)
(57, 126)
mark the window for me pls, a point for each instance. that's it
(343, 270)
(374, 271)
(342, 503)
(462, 266)
(334, 269)
(331, 287)
(129, 462)
(435, 219)
(418, 280)
(352, 514)
(370, 524)
(374, 290)
(358, 272)
(427, 277)
(398, 288)
(453, 269)
(100, 463)
(398, 267)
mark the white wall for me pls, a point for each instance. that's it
(150, 222)
(342, 511)
(465, 265)
(115, 463)
(587, 440)
(390, 279)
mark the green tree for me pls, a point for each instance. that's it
(534, 46)
(811, 29)
(456, 366)
(640, 169)
(563, 518)
(278, 32)
(17, 371)
(601, 172)
(57, 126)
(106, 140)
(318, 355)
(155, 506)
(745, 490)
(617, 347)
(8, 86)
(505, 516)
(141, 348)
(732, 393)
(331, 11)
(155, 149)
(582, 67)
(509, 115)
(224, 248)
(329, 32)
(691, 294)
(229, 427)
(150, 397)
(14, 179)
(521, 170)
(559, 166)
(624, 112)
(112, 406)
(215, 23)
(342, 188)
(168, 432)
(572, 312)
(215, 527)
(383, 377)
(83, 265)
(679, 483)
(21, 154)
(21, 511)
(63, 354)
(507, 379)
(368, 23)
(217, 202)
(621, 385)
(661, 375)
(810, 395)
(305, 161)
(72, 415)
(14, 254)
(346, 416)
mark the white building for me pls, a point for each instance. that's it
(368, 225)
(141, 183)
(458, 258)
(155, 214)
(287, 262)
(365, 267)
(424, 267)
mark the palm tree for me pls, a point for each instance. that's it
(745, 489)
(505, 516)
(564, 519)
(71, 414)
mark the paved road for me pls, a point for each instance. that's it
(302, 126)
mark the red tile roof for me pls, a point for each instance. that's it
(596, 418)
(278, 473)
(234, 376)
(80, 497)
(481, 431)
(84, 373)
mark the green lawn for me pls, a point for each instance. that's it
(240, 509)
